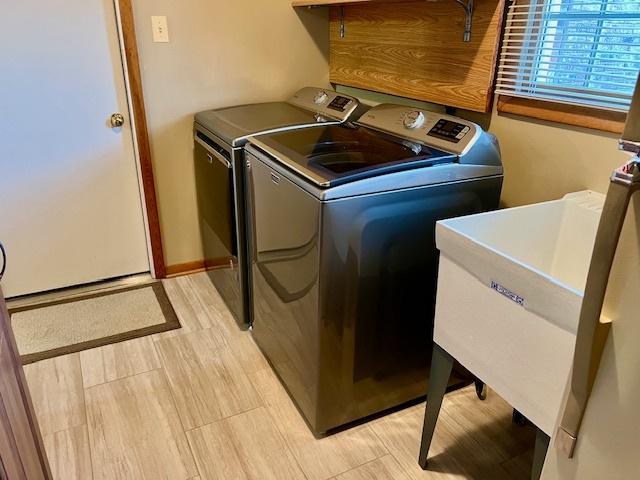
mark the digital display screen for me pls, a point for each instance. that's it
(448, 130)
(339, 104)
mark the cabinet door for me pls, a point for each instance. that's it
(22, 454)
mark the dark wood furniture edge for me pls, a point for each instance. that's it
(25, 396)
(142, 135)
(587, 117)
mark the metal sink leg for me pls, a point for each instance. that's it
(441, 366)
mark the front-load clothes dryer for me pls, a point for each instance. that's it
(220, 136)
(344, 262)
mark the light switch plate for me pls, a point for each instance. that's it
(159, 29)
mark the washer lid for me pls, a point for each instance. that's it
(235, 124)
(307, 108)
(337, 154)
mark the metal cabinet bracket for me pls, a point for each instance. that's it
(468, 10)
(341, 17)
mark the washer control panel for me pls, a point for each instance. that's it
(449, 130)
(446, 132)
(325, 103)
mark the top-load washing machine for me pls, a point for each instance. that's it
(344, 262)
(220, 136)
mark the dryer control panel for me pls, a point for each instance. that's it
(325, 102)
(446, 132)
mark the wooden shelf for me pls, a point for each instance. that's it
(415, 48)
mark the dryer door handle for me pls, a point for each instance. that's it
(213, 153)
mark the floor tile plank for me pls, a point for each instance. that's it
(459, 447)
(320, 459)
(209, 301)
(69, 455)
(135, 432)
(56, 390)
(207, 381)
(247, 353)
(118, 360)
(211, 379)
(189, 312)
(247, 446)
(385, 468)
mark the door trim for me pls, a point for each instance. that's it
(133, 80)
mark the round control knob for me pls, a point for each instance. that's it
(320, 97)
(413, 119)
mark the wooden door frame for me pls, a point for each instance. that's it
(124, 12)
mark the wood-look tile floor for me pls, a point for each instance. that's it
(202, 403)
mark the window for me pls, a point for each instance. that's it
(577, 52)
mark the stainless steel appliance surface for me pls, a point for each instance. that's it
(220, 136)
(344, 263)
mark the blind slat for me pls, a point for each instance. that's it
(571, 42)
(528, 54)
(551, 36)
(567, 101)
(527, 65)
(550, 92)
(578, 15)
(548, 5)
(519, 71)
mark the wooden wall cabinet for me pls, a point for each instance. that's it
(415, 49)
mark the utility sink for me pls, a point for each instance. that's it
(510, 288)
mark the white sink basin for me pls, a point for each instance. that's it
(510, 287)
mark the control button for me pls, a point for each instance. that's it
(465, 129)
(320, 97)
(460, 135)
(413, 119)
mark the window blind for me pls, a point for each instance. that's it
(580, 52)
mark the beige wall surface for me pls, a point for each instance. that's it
(223, 53)
(542, 160)
(607, 446)
(220, 53)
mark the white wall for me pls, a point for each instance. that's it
(220, 53)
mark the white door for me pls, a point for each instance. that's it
(70, 202)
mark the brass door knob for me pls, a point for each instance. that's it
(117, 120)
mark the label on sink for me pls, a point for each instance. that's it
(514, 297)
